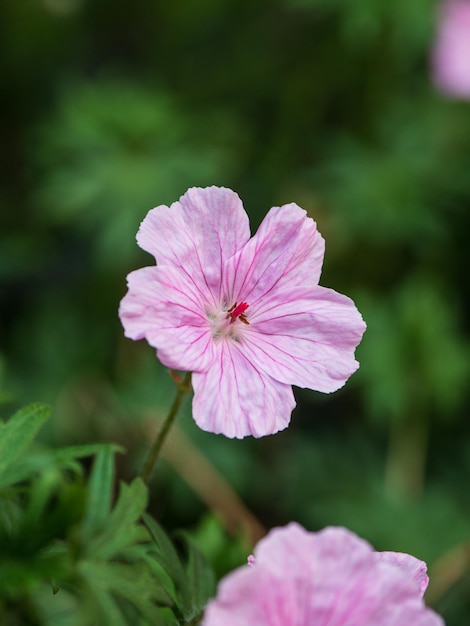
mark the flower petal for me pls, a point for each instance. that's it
(408, 564)
(238, 602)
(197, 233)
(286, 251)
(329, 578)
(234, 398)
(305, 337)
(451, 53)
(166, 308)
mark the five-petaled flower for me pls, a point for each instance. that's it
(329, 578)
(245, 315)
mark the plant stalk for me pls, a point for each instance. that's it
(183, 387)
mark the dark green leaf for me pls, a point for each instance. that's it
(201, 582)
(169, 557)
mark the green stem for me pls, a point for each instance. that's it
(183, 386)
(406, 459)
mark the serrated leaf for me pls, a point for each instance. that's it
(17, 434)
(130, 582)
(106, 604)
(169, 557)
(201, 580)
(65, 458)
(100, 491)
(42, 490)
(121, 529)
(151, 558)
(70, 453)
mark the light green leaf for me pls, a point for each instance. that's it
(18, 433)
(103, 600)
(121, 530)
(66, 455)
(100, 491)
(66, 458)
(130, 582)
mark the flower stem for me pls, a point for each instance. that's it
(406, 459)
(183, 386)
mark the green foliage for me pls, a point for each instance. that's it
(60, 529)
(191, 583)
(113, 109)
(16, 436)
(110, 168)
(224, 551)
(415, 360)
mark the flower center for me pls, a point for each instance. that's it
(224, 321)
(238, 310)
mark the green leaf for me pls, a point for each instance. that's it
(100, 491)
(61, 458)
(130, 582)
(65, 455)
(42, 490)
(201, 582)
(17, 434)
(121, 529)
(169, 557)
(102, 599)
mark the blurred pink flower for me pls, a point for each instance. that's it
(451, 54)
(329, 578)
(246, 316)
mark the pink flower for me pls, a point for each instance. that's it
(246, 316)
(451, 55)
(329, 578)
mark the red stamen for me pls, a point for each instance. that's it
(238, 310)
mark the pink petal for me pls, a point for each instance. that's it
(408, 564)
(329, 578)
(234, 398)
(166, 308)
(197, 233)
(209, 275)
(286, 251)
(290, 549)
(451, 54)
(305, 337)
(238, 602)
(314, 569)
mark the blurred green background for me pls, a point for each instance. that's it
(110, 108)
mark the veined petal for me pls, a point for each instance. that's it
(239, 601)
(164, 306)
(246, 316)
(163, 233)
(197, 234)
(286, 251)
(329, 578)
(410, 565)
(306, 338)
(236, 399)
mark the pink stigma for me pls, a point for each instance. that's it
(238, 310)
